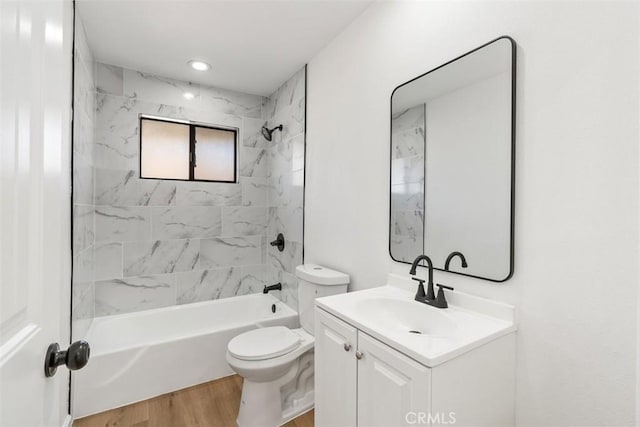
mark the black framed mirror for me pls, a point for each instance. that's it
(452, 164)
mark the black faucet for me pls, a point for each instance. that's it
(420, 295)
(451, 256)
(276, 287)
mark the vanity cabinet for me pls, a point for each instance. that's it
(335, 372)
(361, 381)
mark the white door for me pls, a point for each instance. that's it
(35, 250)
(335, 372)
(393, 390)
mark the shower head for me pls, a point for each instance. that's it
(268, 133)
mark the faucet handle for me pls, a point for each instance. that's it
(420, 295)
(441, 300)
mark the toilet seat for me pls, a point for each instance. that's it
(264, 343)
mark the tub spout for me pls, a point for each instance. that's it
(276, 287)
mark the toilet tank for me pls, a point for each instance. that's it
(315, 281)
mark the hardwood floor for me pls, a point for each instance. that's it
(213, 404)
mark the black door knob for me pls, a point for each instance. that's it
(75, 357)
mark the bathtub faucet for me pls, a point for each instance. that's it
(276, 287)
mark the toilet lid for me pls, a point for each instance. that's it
(264, 343)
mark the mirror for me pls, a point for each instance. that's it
(452, 163)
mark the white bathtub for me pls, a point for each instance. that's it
(137, 356)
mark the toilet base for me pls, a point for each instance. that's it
(259, 405)
(274, 403)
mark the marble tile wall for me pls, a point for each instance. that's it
(285, 181)
(83, 240)
(408, 133)
(159, 242)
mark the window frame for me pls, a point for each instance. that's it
(192, 147)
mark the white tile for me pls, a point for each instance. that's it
(252, 133)
(115, 223)
(292, 121)
(287, 95)
(186, 222)
(117, 151)
(298, 153)
(124, 188)
(208, 194)
(286, 220)
(407, 223)
(84, 88)
(405, 197)
(253, 162)
(109, 79)
(82, 183)
(254, 191)
(253, 279)
(108, 261)
(232, 103)
(83, 127)
(209, 284)
(408, 143)
(134, 294)
(407, 170)
(231, 251)
(284, 190)
(83, 300)
(288, 259)
(281, 158)
(83, 265)
(244, 221)
(83, 229)
(406, 248)
(408, 119)
(159, 257)
(162, 90)
(289, 294)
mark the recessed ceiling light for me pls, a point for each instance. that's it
(188, 95)
(199, 65)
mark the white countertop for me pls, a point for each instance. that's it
(389, 312)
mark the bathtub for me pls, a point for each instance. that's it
(136, 356)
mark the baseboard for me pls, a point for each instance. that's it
(68, 421)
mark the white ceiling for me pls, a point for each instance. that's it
(252, 46)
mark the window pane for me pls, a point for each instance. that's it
(164, 150)
(215, 155)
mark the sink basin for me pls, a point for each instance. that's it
(427, 334)
(406, 317)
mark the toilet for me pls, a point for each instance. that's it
(277, 362)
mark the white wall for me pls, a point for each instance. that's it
(575, 281)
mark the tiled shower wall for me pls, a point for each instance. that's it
(407, 183)
(83, 169)
(159, 242)
(287, 106)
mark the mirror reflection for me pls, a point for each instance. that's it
(451, 164)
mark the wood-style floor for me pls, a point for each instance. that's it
(213, 404)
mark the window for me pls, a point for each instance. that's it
(187, 151)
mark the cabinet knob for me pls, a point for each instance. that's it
(347, 347)
(359, 355)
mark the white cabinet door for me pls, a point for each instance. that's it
(35, 200)
(393, 390)
(335, 372)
